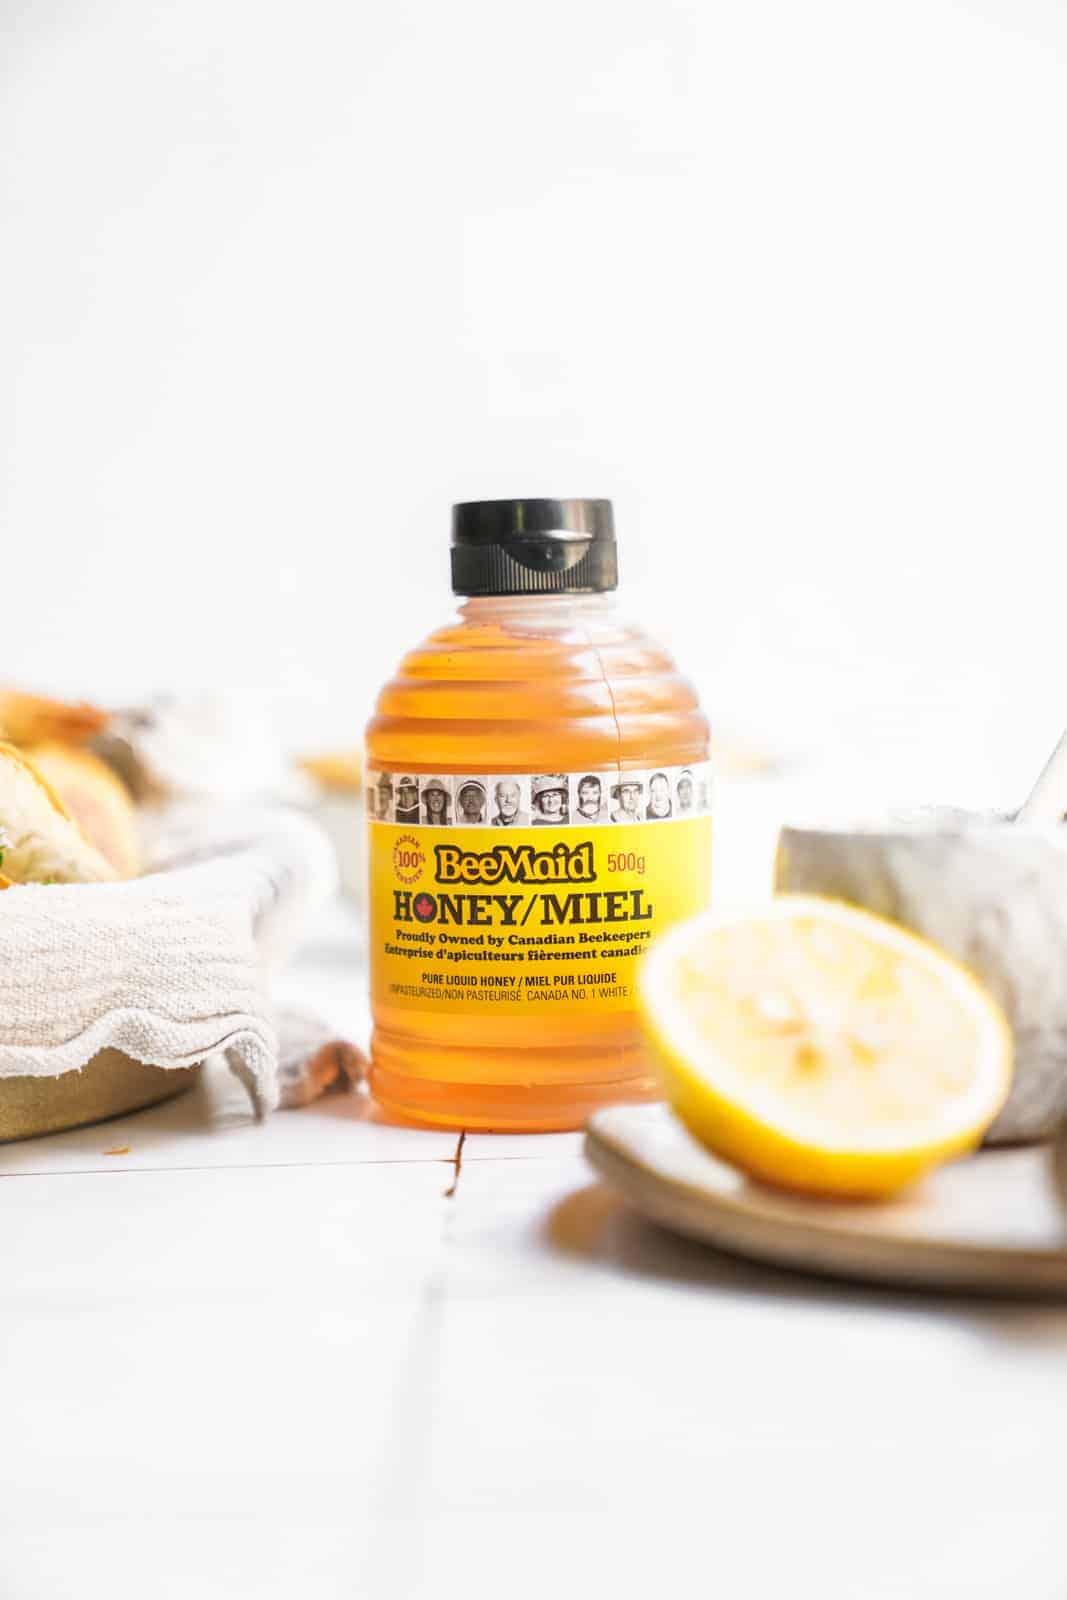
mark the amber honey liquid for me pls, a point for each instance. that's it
(527, 685)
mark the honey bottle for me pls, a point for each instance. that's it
(541, 811)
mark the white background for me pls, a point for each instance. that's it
(277, 284)
(786, 281)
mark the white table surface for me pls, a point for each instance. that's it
(303, 1359)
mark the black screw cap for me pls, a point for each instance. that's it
(504, 547)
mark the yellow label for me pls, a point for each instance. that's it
(523, 916)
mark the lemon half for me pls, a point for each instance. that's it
(821, 1048)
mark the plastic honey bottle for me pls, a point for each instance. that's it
(538, 798)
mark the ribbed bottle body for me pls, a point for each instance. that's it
(516, 697)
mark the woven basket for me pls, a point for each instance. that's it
(110, 1085)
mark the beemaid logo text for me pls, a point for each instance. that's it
(505, 863)
(544, 888)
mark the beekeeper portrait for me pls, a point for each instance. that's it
(549, 796)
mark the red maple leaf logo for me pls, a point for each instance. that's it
(424, 907)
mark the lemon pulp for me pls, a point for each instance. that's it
(822, 1048)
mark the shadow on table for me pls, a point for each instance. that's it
(216, 1107)
(597, 1226)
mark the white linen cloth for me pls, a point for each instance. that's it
(173, 966)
